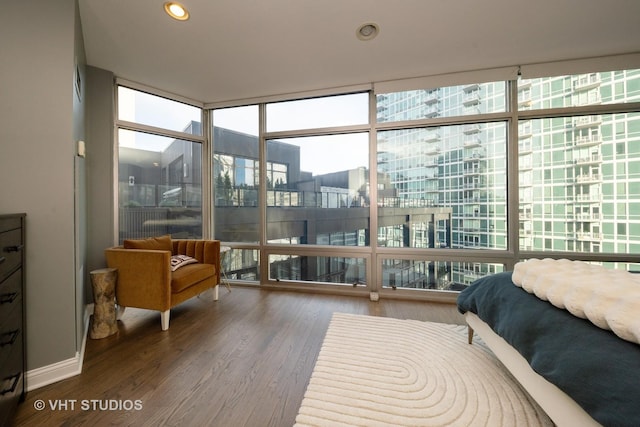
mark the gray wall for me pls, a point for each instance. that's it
(100, 167)
(39, 124)
(80, 199)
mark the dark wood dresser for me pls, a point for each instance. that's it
(12, 315)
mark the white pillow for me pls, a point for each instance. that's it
(178, 261)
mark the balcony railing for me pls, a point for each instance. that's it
(585, 141)
(586, 82)
(587, 121)
(582, 179)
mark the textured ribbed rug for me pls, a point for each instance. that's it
(377, 371)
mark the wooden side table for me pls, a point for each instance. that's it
(103, 282)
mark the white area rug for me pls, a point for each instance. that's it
(377, 371)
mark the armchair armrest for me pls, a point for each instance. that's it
(144, 277)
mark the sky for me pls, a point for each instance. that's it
(319, 155)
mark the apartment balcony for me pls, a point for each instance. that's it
(525, 201)
(587, 141)
(525, 165)
(474, 156)
(431, 137)
(525, 131)
(587, 217)
(594, 158)
(431, 112)
(525, 147)
(471, 87)
(592, 99)
(432, 150)
(587, 121)
(588, 235)
(472, 171)
(586, 179)
(589, 198)
(525, 216)
(471, 98)
(524, 99)
(471, 142)
(469, 215)
(471, 129)
(586, 82)
(472, 109)
(431, 98)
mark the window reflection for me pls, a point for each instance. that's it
(159, 186)
(338, 270)
(319, 190)
(443, 187)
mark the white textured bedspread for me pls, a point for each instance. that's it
(610, 299)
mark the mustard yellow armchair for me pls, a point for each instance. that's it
(146, 279)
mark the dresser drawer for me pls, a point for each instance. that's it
(10, 222)
(11, 380)
(11, 336)
(11, 326)
(10, 295)
(12, 388)
(11, 248)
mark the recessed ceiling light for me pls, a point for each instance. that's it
(367, 31)
(176, 11)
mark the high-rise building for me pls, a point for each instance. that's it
(578, 174)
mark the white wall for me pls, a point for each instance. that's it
(38, 128)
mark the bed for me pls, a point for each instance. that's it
(578, 372)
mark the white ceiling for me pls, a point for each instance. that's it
(237, 49)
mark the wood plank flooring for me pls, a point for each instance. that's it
(244, 360)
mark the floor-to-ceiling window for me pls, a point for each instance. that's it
(580, 169)
(445, 185)
(159, 166)
(236, 189)
(426, 188)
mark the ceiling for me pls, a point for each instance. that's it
(239, 49)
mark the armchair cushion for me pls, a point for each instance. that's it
(186, 276)
(162, 243)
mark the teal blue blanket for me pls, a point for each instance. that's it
(598, 370)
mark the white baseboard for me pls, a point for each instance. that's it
(40, 377)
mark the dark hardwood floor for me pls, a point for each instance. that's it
(242, 361)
